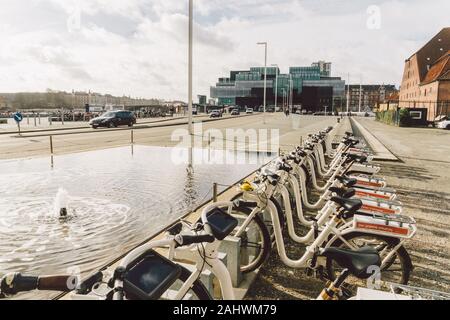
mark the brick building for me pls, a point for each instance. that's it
(426, 77)
(371, 96)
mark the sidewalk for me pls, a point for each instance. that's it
(11, 126)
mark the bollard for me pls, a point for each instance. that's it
(51, 151)
(132, 137)
(214, 192)
(50, 120)
(51, 145)
(39, 117)
(35, 120)
(28, 119)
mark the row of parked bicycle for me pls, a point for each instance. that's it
(353, 234)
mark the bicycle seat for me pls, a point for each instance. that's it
(356, 157)
(351, 206)
(346, 181)
(343, 192)
(357, 262)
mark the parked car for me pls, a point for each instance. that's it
(235, 112)
(443, 122)
(113, 119)
(249, 111)
(215, 114)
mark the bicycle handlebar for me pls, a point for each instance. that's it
(14, 283)
(185, 240)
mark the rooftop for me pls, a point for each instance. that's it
(440, 70)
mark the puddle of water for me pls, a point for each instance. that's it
(116, 200)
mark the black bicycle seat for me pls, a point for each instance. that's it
(343, 192)
(357, 262)
(356, 157)
(351, 206)
(346, 181)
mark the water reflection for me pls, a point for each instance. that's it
(116, 200)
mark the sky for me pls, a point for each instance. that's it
(139, 47)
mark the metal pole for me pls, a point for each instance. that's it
(214, 192)
(39, 118)
(291, 91)
(348, 93)
(132, 137)
(35, 116)
(62, 116)
(360, 95)
(191, 13)
(265, 79)
(51, 145)
(276, 86)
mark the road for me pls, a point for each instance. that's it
(156, 134)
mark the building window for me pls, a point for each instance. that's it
(416, 115)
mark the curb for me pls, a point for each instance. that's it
(381, 153)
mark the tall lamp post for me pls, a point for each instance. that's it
(191, 13)
(276, 86)
(291, 91)
(190, 54)
(265, 77)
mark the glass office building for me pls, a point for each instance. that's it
(246, 88)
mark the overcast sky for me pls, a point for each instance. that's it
(139, 47)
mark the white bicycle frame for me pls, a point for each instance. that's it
(209, 261)
(332, 227)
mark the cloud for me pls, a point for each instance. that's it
(139, 47)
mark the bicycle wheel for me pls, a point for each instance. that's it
(197, 291)
(396, 269)
(255, 241)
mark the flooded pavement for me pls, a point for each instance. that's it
(116, 200)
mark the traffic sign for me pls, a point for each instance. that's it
(18, 117)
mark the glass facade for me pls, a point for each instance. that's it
(246, 87)
(306, 73)
(271, 71)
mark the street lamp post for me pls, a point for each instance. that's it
(276, 86)
(191, 13)
(265, 77)
(291, 91)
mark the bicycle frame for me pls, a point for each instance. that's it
(192, 253)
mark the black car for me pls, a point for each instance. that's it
(113, 119)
